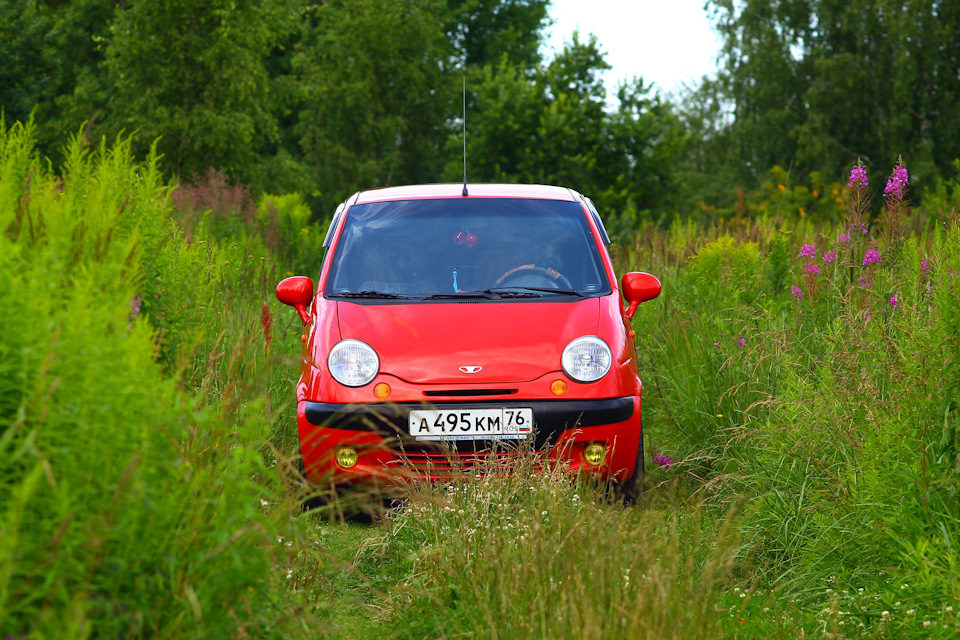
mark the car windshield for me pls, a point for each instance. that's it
(496, 247)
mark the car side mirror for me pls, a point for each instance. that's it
(298, 293)
(639, 287)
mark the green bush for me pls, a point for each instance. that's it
(130, 503)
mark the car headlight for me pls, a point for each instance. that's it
(353, 363)
(586, 359)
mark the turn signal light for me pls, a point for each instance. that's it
(382, 390)
(347, 457)
(594, 453)
(559, 387)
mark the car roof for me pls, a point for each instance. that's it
(455, 190)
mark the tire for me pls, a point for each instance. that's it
(314, 501)
(632, 487)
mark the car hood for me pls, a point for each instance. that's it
(427, 343)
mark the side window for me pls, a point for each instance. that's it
(333, 225)
(596, 218)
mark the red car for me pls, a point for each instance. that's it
(454, 323)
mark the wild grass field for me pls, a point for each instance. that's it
(802, 409)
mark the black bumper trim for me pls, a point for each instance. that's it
(551, 417)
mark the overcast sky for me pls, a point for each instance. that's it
(667, 42)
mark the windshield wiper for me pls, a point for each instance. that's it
(562, 292)
(489, 295)
(373, 294)
(507, 293)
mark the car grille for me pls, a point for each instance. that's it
(470, 392)
(431, 461)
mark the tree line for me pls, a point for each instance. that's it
(324, 97)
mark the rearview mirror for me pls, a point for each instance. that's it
(639, 287)
(298, 293)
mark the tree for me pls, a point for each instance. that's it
(378, 92)
(485, 32)
(192, 75)
(552, 126)
(47, 48)
(814, 84)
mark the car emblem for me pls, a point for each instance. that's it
(473, 369)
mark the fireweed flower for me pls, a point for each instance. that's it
(897, 181)
(924, 267)
(797, 292)
(741, 342)
(808, 251)
(872, 256)
(866, 283)
(830, 256)
(135, 303)
(893, 302)
(843, 238)
(813, 269)
(858, 176)
(663, 461)
(266, 320)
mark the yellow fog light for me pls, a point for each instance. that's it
(559, 387)
(382, 390)
(595, 453)
(346, 457)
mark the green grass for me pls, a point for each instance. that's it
(148, 472)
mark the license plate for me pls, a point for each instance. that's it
(471, 424)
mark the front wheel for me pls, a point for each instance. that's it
(632, 487)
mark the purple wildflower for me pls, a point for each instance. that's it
(866, 283)
(872, 256)
(867, 316)
(897, 181)
(741, 342)
(813, 268)
(808, 251)
(863, 228)
(858, 176)
(830, 256)
(924, 266)
(843, 238)
(716, 345)
(797, 292)
(135, 303)
(893, 302)
(663, 461)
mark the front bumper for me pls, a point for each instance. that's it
(380, 433)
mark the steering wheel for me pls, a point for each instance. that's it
(551, 277)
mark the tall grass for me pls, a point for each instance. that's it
(131, 470)
(148, 453)
(822, 383)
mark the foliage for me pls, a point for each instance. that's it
(376, 95)
(328, 98)
(831, 398)
(193, 75)
(815, 84)
(49, 50)
(132, 488)
(486, 32)
(551, 127)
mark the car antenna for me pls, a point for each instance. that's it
(465, 194)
